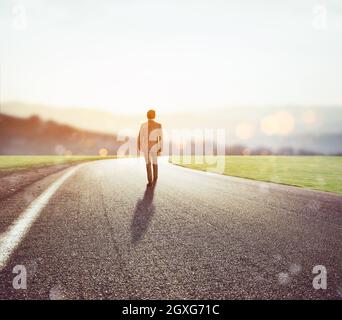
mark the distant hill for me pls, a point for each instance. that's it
(22, 133)
(34, 136)
(328, 119)
(86, 119)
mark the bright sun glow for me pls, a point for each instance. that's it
(122, 56)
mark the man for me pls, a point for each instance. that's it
(150, 142)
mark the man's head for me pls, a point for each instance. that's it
(151, 114)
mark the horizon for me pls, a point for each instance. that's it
(241, 124)
(275, 134)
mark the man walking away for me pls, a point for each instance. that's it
(150, 141)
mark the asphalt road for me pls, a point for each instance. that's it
(103, 235)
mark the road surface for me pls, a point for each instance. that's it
(103, 235)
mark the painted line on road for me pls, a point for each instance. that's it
(11, 238)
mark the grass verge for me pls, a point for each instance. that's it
(14, 163)
(322, 173)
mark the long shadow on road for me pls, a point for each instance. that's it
(143, 212)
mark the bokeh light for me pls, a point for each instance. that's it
(103, 152)
(244, 131)
(309, 117)
(281, 123)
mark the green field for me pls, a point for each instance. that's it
(314, 172)
(14, 163)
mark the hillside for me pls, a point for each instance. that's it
(35, 136)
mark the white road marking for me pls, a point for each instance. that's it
(10, 239)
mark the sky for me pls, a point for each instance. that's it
(123, 56)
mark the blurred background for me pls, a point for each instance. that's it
(75, 75)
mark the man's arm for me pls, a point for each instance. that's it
(138, 142)
(160, 138)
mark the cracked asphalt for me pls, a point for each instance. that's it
(195, 235)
